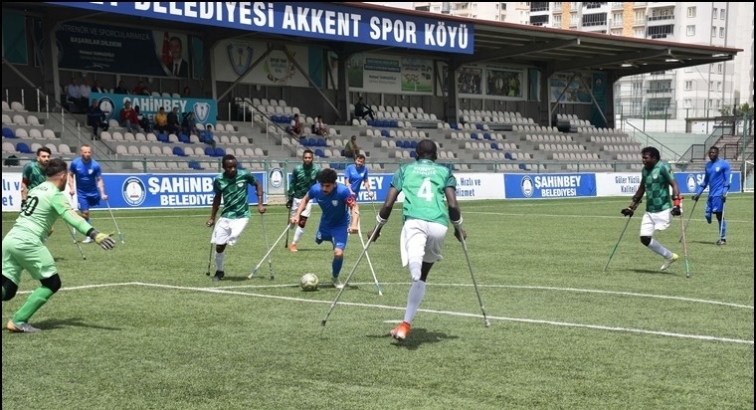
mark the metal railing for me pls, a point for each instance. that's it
(666, 152)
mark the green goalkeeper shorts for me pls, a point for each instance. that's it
(21, 252)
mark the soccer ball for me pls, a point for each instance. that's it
(308, 282)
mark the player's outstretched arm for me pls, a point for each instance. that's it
(676, 198)
(63, 208)
(214, 211)
(637, 199)
(302, 205)
(455, 214)
(259, 192)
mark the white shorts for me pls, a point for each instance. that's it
(657, 221)
(227, 231)
(421, 240)
(295, 206)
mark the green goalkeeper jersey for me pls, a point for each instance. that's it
(657, 186)
(32, 175)
(302, 179)
(423, 183)
(43, 206)
(234, 192)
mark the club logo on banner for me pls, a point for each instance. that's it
(691, 183)
(526, 186)
(239, 57)
(201, 111)
(275, 176)
(133, 191)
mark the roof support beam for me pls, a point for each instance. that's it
(611, 60)
(650, 68)
(518, 51)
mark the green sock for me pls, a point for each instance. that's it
(39, 297)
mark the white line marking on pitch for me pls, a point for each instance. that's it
(461, 314)
(592, 216)
(101, 285)
(577, 290)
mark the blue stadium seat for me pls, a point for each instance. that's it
(219, 152)
(179, 151)
(508, 155)
(195, 165)
(385, 133)
(413, 144)
(394, 124)
(413, 154)
(319, 152)
(184, 138)
(479, 126)
(322, 142)
(163, 138)
(312, 142)
(23, 148)
(8, 133)
(487, 136)
(494, 145)
(209, 151)
(523, 166)
(474, 135)
(370, 123)
(454, 126)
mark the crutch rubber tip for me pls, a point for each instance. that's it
(488, 324)
(84, 257)
(323, 323)
(272, 277)
(380, 293)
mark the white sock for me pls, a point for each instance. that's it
(658, 248)
(219, 261)
(298, 234)
(415, 297)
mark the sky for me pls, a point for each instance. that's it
(399, 4)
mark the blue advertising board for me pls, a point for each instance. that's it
(688, 182)
(379, 184)
(542, 186)
(205, 110)
(144, 191)
(323, 21)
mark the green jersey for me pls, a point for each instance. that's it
(32, 175)
(302, 179)
(423, 183)
(234, 192)
(43, 206)
(657, 185)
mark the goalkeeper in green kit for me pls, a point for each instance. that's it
(23, 248)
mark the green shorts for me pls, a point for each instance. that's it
(21, 253)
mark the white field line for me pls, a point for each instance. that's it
(462, 314)
(587, 215)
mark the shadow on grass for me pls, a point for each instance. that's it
(653, 272)
(51, 324)
(417, 338)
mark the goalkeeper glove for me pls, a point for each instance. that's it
(102, 239)
(289, 203)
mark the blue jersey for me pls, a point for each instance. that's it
(717, 177)
(356, 177)
(86, 174)
(335, 210)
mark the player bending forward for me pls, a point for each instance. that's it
(426, 219)
(23, 248)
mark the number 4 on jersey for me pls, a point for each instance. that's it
(426, 190)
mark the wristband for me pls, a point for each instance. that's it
(380, 220)
(676, 200)
(457, 223)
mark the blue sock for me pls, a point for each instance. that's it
(336, 266)
(723, 229)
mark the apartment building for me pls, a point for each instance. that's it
(676, 94)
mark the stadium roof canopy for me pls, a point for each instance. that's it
(552, 50)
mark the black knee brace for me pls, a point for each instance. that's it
(10, 289)
(645, 240)
(302, 221)
(52, 283)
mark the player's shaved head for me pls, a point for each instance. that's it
(427, 149)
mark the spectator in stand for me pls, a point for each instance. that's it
(206, 136)
(86, 89)
(129, 118)
(121, 89)
(174, 123)
(295, 128)
(186, 93)
(189, 123)
(140, 89)
(97, 88)
(73, 95)
(351, 149)
(161, 120)
(144, 122)
(319, 127)
(361, 110)
(96, 120)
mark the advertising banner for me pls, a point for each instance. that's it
(479, 186)
(323, 21)
(12, 193)
(617, 183)
(390, 74)
(572, 92)
(234, 57)
(205, 110)
(542, 186)
(689, 181)
(105, 48)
